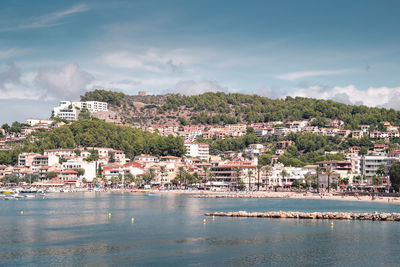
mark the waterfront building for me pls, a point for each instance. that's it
(371, 163)
(232, 172)
(78, 163)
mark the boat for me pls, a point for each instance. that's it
(17, 196)
(6, 192)
(29, 191)
(30, 196)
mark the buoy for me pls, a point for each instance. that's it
(331, 224)
(213, 217)
(22, 212)
(204, 221)
(133, 220)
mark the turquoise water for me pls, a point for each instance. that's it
(75, 230)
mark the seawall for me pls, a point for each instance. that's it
(374, 216)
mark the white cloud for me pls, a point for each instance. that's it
(68, 81)
(373, 96)
(292, 76)
(151, 60)
(195, 88)
(12, 52)
(48, 20)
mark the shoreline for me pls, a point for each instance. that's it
(278, 195)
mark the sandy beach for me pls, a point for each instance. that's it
(388, 200)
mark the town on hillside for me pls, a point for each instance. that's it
(274, 155)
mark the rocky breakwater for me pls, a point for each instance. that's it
(374, 216)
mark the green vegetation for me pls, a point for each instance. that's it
(230, 143)
(232, 108)
(308, 148)
(394, 174)
(109, 97)
(97, 133)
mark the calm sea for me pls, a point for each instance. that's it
(75, 230)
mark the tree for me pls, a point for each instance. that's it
(183, 121)
(163, 171)
(318, 171)
(149, 176)
(5, 127)
(181, 176)
(238, 172)
(128, 179)
(284, 175)
(329, 172)
(100, 171)
(250, 174)
(112, 159)
(80, 172)
(394, 174)
(259, 169)
(206, 171)
(381, 170)
(51, 175)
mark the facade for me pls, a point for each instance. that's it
(69, 110)
(199, 150)
(34, 122)
(89, 167)
(370, 164)
(232, 172)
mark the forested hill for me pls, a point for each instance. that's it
(97, 133)
(223, 108)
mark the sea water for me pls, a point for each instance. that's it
(96, 229)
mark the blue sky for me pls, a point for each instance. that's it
(348, 51)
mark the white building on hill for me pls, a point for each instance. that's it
(69, 110)
(197, 150)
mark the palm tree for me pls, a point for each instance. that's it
(318, 170)
(181, 174)
(250, 173)
(259, 168)
(205, 170)
(163, 171)
(238, 174)
(284, 175)
(307, 178)
(381, 172)
(329, 172)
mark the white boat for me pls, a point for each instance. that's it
(30, 196)
(17, 196)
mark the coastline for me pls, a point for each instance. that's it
(282, 195)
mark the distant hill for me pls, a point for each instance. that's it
(222, 108)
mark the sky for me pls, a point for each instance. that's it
(347, 51)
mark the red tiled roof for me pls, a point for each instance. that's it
(69, 171)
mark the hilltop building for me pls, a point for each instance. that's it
(69, 110)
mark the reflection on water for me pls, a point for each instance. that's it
(75, 229)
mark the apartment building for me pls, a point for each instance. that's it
(69, 110)
(370, 164)
(199, 150)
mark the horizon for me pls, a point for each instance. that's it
(50, 51)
